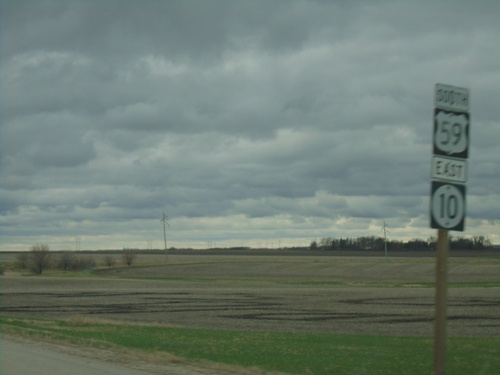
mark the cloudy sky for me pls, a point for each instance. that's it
(249, 123)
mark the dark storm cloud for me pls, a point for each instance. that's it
(239, 119)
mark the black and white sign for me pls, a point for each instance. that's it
(450, 139)
(451, 134)
(447, 206)
(449, 169)
(451, 98)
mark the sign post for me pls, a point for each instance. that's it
(447, 211)
(441, 298)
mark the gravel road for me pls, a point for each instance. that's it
(30, 358)
(19, 355)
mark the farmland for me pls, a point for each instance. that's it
(346, 295)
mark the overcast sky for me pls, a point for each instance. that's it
(249, 123)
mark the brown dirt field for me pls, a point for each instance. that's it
(271, 293)
(305, 268)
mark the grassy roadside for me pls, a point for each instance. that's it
(293, 353)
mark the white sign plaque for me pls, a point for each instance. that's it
(449, 169)
(451, 98)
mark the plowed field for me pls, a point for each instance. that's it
(328, 294)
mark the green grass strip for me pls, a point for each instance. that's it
(293, 353)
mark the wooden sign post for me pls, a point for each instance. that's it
(441, 302)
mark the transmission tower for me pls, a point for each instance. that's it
(384, 228)
(165, 223)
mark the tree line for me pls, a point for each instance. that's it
(375, 243)
(39, 258)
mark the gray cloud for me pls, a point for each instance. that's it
(244, 121)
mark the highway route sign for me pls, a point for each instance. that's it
(450, 146)
(447, 206)
(451, 133)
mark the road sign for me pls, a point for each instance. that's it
(451, 98)
(450, 145)
(451, 133)
(449, 169)
(447, 206)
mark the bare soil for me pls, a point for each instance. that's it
(283, 293)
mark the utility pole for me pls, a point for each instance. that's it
(385, 237)
(165, 222)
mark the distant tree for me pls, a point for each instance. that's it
(474, 243)
(66, 261)
(415, 244)
(84, 263)
(394, 245)
(128, 257)
(109, 261)
(481, 242)
(431, 242)
(39, 259)
(327, 243)
(22, 260)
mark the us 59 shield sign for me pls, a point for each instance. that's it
(451, 133)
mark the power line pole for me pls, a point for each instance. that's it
(165, 222)
(385, 237)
